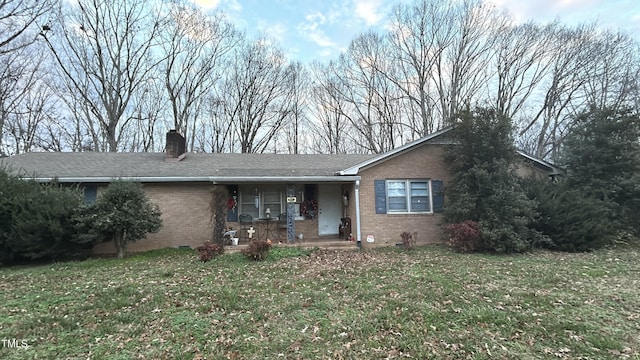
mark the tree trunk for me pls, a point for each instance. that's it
(219, 198)
(120, 242)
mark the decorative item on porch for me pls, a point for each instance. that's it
(231, 235)
(309, 209)
(232, 203)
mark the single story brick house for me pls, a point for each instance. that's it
(367, 198)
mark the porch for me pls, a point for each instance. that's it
(275, 229)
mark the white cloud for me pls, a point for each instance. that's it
(320, 39)
(311, 29)
(325, 53)
(315, 19)
(369, 10)
(207, 4)
(546, 10)
(230, 5)
(233, 5)
(276, 31)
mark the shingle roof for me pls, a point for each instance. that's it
(43, 165)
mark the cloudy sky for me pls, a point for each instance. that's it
(321, 29)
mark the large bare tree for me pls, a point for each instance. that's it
(560, 95)
(612, 79)
(19, 22)
(419, 33)
(255, 96)
(371, 101)
(462, 69)
(292, 138)
(522, 62)
(25, 100)
(195, 44)
(328, 123)
(104, 52)
(150, 106)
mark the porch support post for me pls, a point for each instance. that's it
(291, 220)
(357, 196)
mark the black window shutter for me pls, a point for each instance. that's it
(381, 196)
(438, 196)
(90, 194)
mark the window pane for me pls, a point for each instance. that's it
(419, 204)
(396, 188)
(272, 201)
(397, 195)
(397, 204)
(419, 189)
(248, 202)
(420, 196)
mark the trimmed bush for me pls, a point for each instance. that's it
(209, 250)
(408, 239)
(257, 250)
(571, 220)
(35, 220)
(123, 213)
(463, 237)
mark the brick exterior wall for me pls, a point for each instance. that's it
(423, 162)
(186, 218)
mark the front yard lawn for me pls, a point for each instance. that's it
(426, 303)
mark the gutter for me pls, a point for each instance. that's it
(211, 179)
(358, 232)
(555, 170)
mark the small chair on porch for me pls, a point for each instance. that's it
(246, 223)
(344, 229)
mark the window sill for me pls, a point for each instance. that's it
(409, 213)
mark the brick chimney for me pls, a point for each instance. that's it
(175, 146)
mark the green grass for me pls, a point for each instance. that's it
(426, 303)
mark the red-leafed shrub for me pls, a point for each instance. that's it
(408, 239)
(257, 250)
(209, 250)
(463, 237)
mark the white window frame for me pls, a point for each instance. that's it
(249, 190)
(407, 196)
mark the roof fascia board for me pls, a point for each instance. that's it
(274, 179)
(354, 170)
(212, 179)
(548, 165)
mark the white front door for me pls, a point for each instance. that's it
(329, 209)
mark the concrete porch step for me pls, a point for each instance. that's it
(308, 244)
